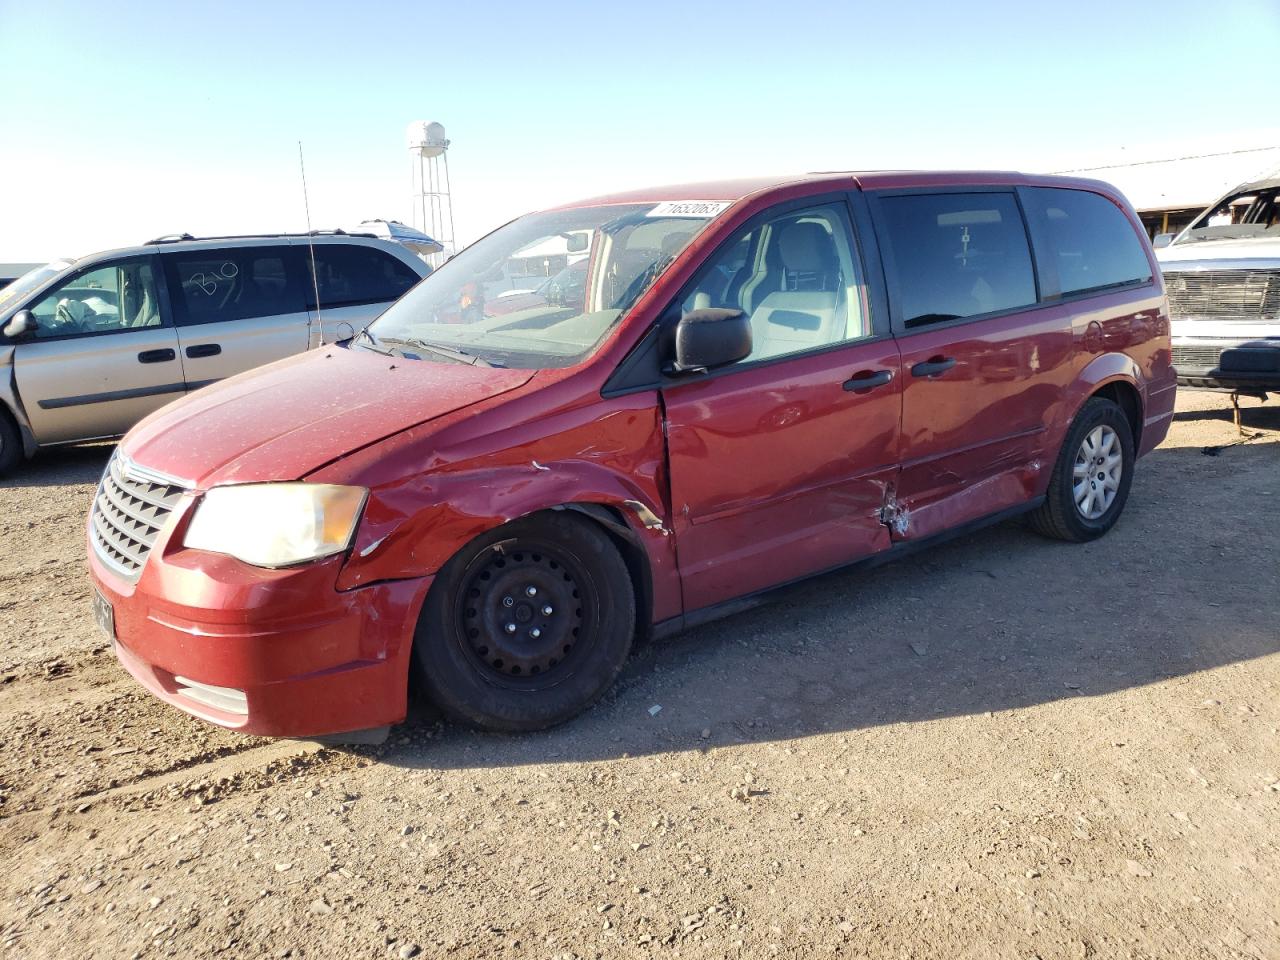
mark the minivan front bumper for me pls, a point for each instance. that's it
(279, 653)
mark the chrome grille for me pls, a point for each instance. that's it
(1224, 294)
(1199, 358)
(128, 513)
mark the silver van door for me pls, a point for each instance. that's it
(103, 356)
(235, 308)
(356, 282)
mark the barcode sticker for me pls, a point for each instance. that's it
(703, 209)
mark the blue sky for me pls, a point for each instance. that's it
(121, 124)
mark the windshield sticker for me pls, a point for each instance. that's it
(703, 209)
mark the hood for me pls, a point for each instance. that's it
(1254, 248)
(282, 421)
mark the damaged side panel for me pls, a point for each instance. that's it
(448, 491)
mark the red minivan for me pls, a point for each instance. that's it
(760, 381)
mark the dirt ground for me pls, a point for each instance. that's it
(1003, 747)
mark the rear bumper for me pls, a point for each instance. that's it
(279, 653)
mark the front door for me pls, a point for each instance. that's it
(983, 366)
(236, 308)
(103, 355)
(780, 463)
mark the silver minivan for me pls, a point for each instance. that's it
(89, 347)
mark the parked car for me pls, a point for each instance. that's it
(765, 380)
(89, 347)
(1223, 277)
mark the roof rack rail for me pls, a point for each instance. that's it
(170, 238)
(336, 232)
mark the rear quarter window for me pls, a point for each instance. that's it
(956, 255)
(1087, 239)
(347, 274)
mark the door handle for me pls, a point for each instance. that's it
(204, 350)
(933, 366)
(868, 379)
(157, 356)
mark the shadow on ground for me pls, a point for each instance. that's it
(996, 621)
(1253, 415)
(1000, 620)
(60, 466)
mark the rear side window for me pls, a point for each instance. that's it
(347, 274)
(237, 283)
(1089, 240)
(957, 255)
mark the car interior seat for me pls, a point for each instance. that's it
(806, 308)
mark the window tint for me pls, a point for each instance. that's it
(796, 276)
(121, 296)
(348, 274)
(237, 283)
(957, 255)
(1090, 240)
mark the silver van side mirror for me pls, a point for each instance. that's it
(1163, 240)
(20, 325)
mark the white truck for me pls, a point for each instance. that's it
(1222, 274)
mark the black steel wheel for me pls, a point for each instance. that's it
(528, 625)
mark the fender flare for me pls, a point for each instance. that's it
(1102, 371)
(412, 531)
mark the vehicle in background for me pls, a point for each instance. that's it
(1222, 274)
(10, 272)
(89, 347)
(411, 237)
(763, 380)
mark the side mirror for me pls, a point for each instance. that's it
(1163, 240)
(709, 337)
(20, 325)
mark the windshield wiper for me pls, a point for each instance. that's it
(371, 342)
(440, 349)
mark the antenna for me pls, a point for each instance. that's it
(311, 246)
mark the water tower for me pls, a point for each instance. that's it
(432, 205)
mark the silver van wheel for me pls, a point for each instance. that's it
(1098, 468)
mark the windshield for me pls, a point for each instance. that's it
(1251, 213)
(542, 291)
(29, 282)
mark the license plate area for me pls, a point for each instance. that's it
(104, 615)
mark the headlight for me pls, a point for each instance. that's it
(276, 524)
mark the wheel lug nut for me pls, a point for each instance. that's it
(510, 628)
(530, 591)
(508, 601)
(547, 611)
(535, 633)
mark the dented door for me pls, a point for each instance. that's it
(779, 471)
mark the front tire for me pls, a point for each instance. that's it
(1091, 480)
(527, 626)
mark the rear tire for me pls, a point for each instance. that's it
(10, 442)
(1089, 486)
(527, 626)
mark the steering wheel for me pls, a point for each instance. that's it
(64, 318)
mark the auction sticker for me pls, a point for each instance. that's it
(689, 208)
